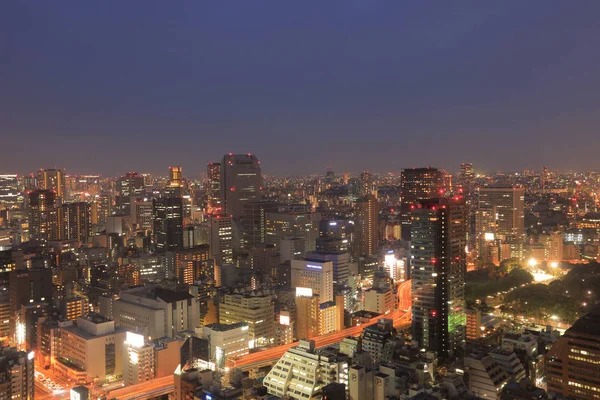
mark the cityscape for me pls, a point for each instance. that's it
(152, 256)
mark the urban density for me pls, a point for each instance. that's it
(153, 274)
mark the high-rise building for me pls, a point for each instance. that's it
(466, 177)
(254, 222)
(221, 239)
(141, 213)
(43, 216)
(241, 182)
(366, 226)
(75, 221)
(16, 374)
(53, 179)
(175, 176)
(304, 225)
(104, 206)
(572, 362)
(417, 184)
(10, 194)
(438, 275)
(129, 185)
(168, 223)
(506, 205)
(213, 172)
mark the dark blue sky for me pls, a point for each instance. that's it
(113, 86)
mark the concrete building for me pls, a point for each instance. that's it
(299, 224)
(16, 374)
(221, 238)
(572, 362)
(485, 377)
(256, 309)
(138, 363)
(380, 301)
(509, 361)
(506, 205)
(43, 216)
(340, 260)
(156, 312)
(313, 275)
(303, 371)
(226, 341)
(93, 346)
(254, 222)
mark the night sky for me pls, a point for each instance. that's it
(115, 86)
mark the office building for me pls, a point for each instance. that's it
(92, 345)
(315, 317)
(213, 188)
(467, 176)
(366, 226)
(75, 221)
(314, 276)
(142, 214)
(506, 206)
(138, 363)
(241, 182)
(130, 185)
(175, 176)
(43, 216)
(281, 225)
(155, 311)
(226, 341)
(379, 300)
(438, 275)
(291, 248)
(572, 362)
(379, 340)
(255, 308)
(221, 239)
(168, 223)
(53, 180)
(340, 260)
(254, 222)
(16, 374)
(73, 308)
(417, 184)
(10, 194)
(193, 264)
(302, 372)
(27, 287)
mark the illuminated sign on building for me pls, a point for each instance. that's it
(304, 292)
(313, 266)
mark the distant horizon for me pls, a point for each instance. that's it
(110, 86)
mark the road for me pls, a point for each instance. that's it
(164, 385)
(401, 318)
(145, 390)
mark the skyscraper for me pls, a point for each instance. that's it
(366, 226)
(129, 185)
(506, 204)
(168, 223)
(10, 195)
(175, 176)
(241, 182)
(417, 184)
(438, 275)
(53, 179)
(254, 222)
(213, 172)
(43, 216)
(466, 177)
(16, 374)
(75, 221)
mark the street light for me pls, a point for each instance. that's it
(532, 262)
(553, 264)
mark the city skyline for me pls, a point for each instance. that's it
(507, 86)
